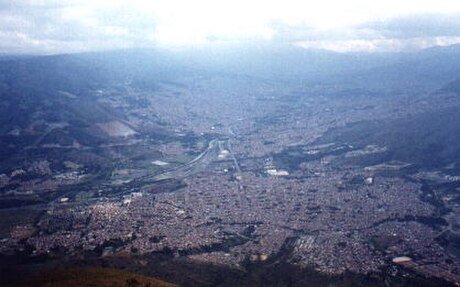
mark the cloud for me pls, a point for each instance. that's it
(402, 33)
(48, 27)
(379, 45)
(282, 32)
(63, 26)
(413, 26)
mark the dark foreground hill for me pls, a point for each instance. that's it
(101, 277)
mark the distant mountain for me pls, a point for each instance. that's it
(53, 100)
(453, 87)
(430, 69)
(279, 62)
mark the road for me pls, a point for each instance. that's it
(195, 165)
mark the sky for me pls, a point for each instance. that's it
(68, 26)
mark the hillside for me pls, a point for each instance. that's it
(101, 277)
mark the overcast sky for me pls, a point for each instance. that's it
(66, 26)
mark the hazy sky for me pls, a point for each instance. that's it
(46, 26)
